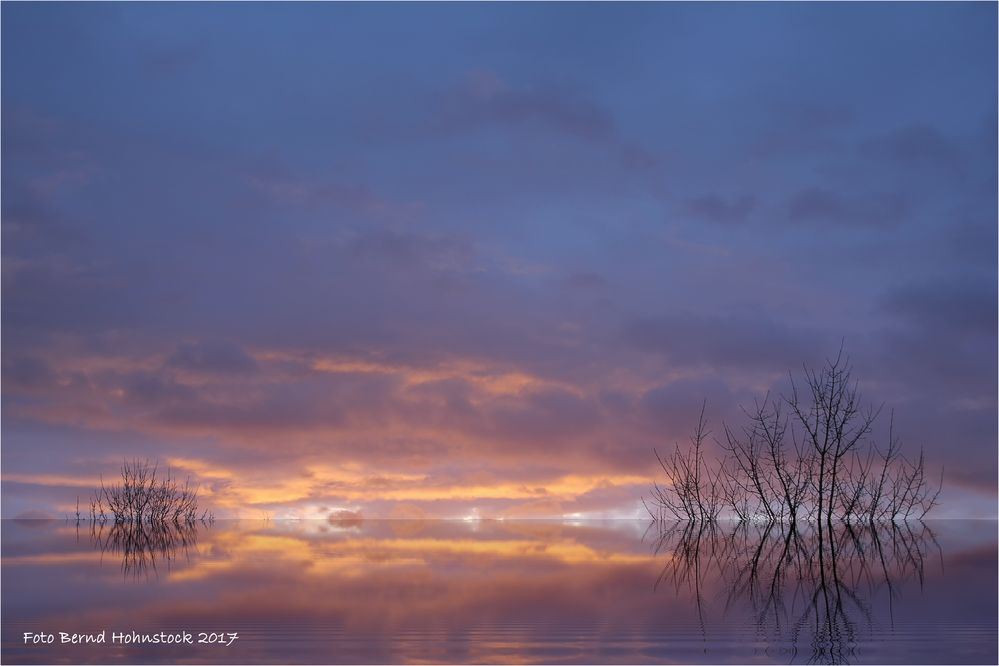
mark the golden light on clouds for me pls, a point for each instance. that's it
(52, 480)
(490, 379)
(358, 431)
(358, 484)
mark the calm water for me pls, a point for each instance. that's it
(441, 591)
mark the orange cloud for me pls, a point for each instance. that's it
(358, 483)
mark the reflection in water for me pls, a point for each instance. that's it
(352, 591)
(815, 580)
(139, 546)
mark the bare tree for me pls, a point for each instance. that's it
(834, 423)
(810, 455)
(695, 491)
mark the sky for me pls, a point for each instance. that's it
(465, 260)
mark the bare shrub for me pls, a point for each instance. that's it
(143, 497)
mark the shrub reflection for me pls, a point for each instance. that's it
(813, 584)
(143, 548)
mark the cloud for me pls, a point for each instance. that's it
(802, 128)
(674, 407)
(735, 341)
(915, 146)
(815, 204)
(31, 226)
(56, 295)
(550, 416)
(28, 372)
(941, 333)
(714, 208)
(146, 389)
(168, 62)
(485, 99)
(958, 304)
(586, 281)
(213, 356)
(315, 194)
(399, 250)
(871, 209)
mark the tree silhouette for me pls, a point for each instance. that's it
(807, 455)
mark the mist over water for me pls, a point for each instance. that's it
(357, 591)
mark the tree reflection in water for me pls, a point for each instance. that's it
(144, 547)
(813, 583)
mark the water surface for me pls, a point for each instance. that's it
(508, 592)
